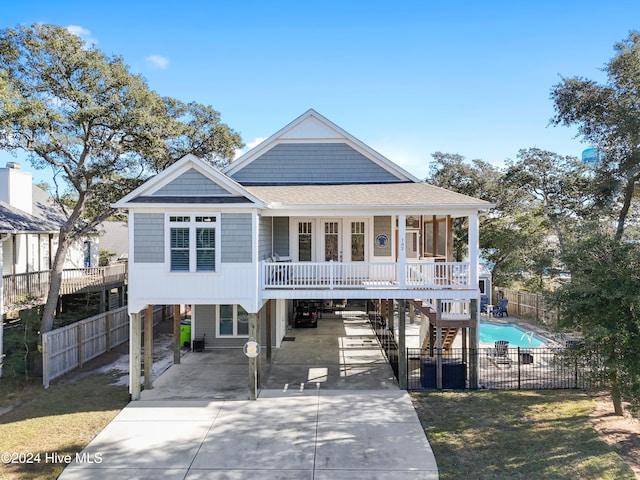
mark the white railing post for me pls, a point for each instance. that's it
(402, 250)
(331, 275)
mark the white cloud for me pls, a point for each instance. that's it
(249, 146)
(255, 142)
(83, 33)
(157, 61)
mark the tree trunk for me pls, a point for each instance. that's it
(626, 204)
(616, 395)
(55, 282)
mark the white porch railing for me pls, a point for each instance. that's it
(455, 309)
(364, 275)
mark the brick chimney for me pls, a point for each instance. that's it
(16, 187)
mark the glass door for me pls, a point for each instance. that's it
(332, 250)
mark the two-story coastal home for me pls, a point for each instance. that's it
(309, 213)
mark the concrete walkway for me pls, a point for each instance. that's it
(329, 409)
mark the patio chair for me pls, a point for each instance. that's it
(500, 353)
(501, 309)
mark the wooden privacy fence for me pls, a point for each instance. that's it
(69, 347)
(530, 305)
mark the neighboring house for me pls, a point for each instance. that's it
(310, 213)
(114, 239)
(30, 223)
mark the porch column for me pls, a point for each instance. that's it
(402, 250)
(474, 250)
(148, 347)
(391, 320)
(438, 345)
(402, 346)
(269, 327)
(176, 334)
(254, 363)
(473, 345)
(135, 360)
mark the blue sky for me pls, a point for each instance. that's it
(408, 78)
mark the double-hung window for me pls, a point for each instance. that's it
(192, 243)
(233, 321)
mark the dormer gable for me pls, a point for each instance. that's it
(190, 180)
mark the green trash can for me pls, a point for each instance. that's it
(185, 332)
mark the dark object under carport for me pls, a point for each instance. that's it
(198, 344)
(454, 373)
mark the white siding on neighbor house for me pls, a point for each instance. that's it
(192, 183)
(312, 163)
(148, 238)
(237, 238)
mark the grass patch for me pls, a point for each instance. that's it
(516, 435)
(61, 419)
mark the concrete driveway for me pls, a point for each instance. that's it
(329, 409)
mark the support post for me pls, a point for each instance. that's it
(473, 345)
(135, 359)
(148, 347)
(465, 352)
(391, 320)
(438, 346)
(402, 250)
(269, 326)
(383, 310)
(254, 363)
(176, 334)
(402, 345)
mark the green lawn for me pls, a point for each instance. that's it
(517, 435)
(62, 419)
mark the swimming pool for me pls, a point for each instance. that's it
(517, 337)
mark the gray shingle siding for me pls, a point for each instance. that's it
(148, 237)
(273, 237)
(264, 238)
(281, 236)
(192, 183)
(382, 226)
(237, 235)
(304, 163)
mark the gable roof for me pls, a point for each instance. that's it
(189, 180)
(47, 217)
(313, 130)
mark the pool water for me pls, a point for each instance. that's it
(517, 337)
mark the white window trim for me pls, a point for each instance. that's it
(192, 225)
(235, 324)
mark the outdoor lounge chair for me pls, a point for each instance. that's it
(500, 353)
(501, 309)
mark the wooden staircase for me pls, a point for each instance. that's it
(449, 334)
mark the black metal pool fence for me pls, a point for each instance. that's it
(509, 368)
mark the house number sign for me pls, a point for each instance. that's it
(251, 348)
